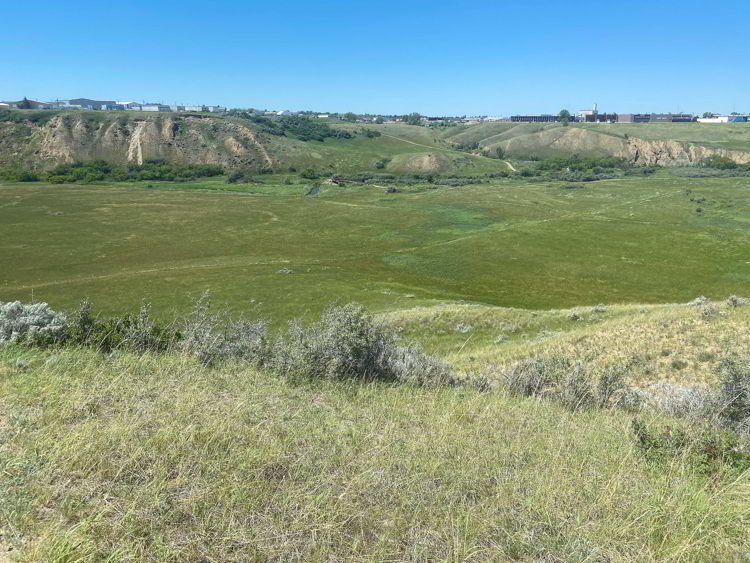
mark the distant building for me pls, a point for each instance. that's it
(86, 103)
(725, 119)
(216, 109)
(4, 106)
(154, 107)
(655, 118)
(598, 118)
(544, 118)
(35, 104)
(196, 108)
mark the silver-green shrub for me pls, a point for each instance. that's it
(410, 364)
(733, 396)
(736, 301)
(672, 399)
(536, 375)
(212, 337)
(35, 323)
(349, 343)
(569, 381)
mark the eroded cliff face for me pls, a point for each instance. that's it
(197, 140)
(674, 153)
(123, 138)
(573, 140)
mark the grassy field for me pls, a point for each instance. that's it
(153, 458)
(508, 243)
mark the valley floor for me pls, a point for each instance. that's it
(276, 253)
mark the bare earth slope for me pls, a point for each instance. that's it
(122, 138)
(654, 147)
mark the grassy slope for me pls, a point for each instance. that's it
(524, 139)
(155, 459)
(509, 243)
(674, 343)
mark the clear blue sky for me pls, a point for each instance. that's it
(434, 57)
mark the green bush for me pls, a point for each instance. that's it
(711, 450)
(132, 332)
(309, 174)
(15, 174)
(295, 126)
(155, 169)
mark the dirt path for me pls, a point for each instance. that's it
(510, 165)
(510, 226)
(418, 144)
(228, 262)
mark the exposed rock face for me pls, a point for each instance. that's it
(573, 140)
(69, 138)
(123, 138)
(674, 153)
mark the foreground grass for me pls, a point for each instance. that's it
(154, 458)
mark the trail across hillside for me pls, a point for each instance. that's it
(508, 164)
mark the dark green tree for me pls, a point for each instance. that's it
(24, 104)
(564, 116)
(413, 119)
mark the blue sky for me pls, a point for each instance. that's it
(456, 57)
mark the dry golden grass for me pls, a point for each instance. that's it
(674, 343)
(153, 458)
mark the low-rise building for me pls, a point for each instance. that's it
(87, 103)
(655, 118)
(154, 107)
(543, 118)
(725, 119)
(32, 104)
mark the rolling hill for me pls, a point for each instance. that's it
(42, 139)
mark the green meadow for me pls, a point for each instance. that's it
(269, 249)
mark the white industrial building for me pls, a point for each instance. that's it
(725, 119)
